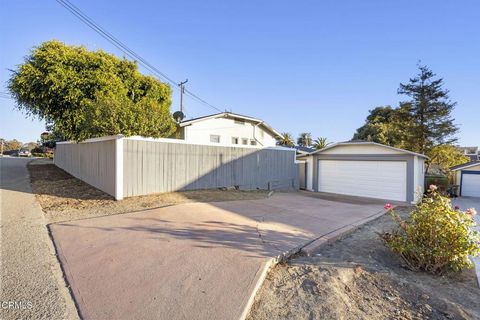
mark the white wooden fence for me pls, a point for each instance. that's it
(125, 167)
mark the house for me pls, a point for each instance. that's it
(228, 129)
(467, 177)
(364, 169)
(472, 152)
(303, 150)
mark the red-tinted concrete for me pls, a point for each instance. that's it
(190, 261)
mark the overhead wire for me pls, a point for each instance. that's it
(126, 50)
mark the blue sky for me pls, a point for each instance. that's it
(302, 66)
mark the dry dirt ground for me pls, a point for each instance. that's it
(357, 277)
(65, 198)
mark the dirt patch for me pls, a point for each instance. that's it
(359, 278)
(64, 197)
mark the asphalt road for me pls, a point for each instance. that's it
(32, 285)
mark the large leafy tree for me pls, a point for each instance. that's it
(305, 139)
(423, 123)
(445, 156)
(10, 145)
(382, 126)
(427, 112)
(84, 94)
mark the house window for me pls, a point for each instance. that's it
(253, 142)
(215, 138)
(239, 121)
(244, 141)
(234, 140)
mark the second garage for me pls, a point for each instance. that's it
(367, 169)
(467, 177)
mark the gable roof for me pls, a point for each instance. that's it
(231, 115)
(347, 143)
(465, 165)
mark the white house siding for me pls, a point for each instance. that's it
(227, 128)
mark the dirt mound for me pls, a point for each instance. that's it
(359, 278)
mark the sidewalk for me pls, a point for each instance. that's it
(31, 278)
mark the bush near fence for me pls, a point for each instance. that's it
(442, 182)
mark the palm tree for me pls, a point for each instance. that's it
(320, 143)
(286, 140)
(305, 139)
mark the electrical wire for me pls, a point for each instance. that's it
(126, 50)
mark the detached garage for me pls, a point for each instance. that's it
(467, 176)
(367, 169)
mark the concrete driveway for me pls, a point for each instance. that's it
(465, 203)
(195, 260)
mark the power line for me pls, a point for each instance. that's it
(125, 49)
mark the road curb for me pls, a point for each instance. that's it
(335, 235)
(307, 248)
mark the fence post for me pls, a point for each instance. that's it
(119, 167)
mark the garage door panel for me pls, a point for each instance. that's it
(375, 179)
(471, 185)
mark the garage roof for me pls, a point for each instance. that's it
(368, 143)
(465, 165)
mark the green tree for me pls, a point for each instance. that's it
(427, 113)
(84, 94)
(446, 156)
(305, 139)
(320, 143)
(382, 126)
(11, 145)
(286, 140)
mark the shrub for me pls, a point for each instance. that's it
(436, 238)
(440, 181)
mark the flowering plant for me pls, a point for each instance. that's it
(437, 237)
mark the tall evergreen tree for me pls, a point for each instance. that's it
(427, 113)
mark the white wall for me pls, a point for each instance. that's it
(226, 128)
(419, 177)
(360, 149)
(310, 173)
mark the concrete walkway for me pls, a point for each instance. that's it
(31, 278)
(465, 203)
(191, 261)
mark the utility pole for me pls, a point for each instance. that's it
(182, 91)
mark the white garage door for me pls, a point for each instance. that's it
(471, 185)
(373, 179)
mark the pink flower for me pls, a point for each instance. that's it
(471, 212)
(433, 187)
(388, 206)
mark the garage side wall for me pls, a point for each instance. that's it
(151, 166)
(92, 162)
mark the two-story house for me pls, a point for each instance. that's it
(472, 152)
(228, 129)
